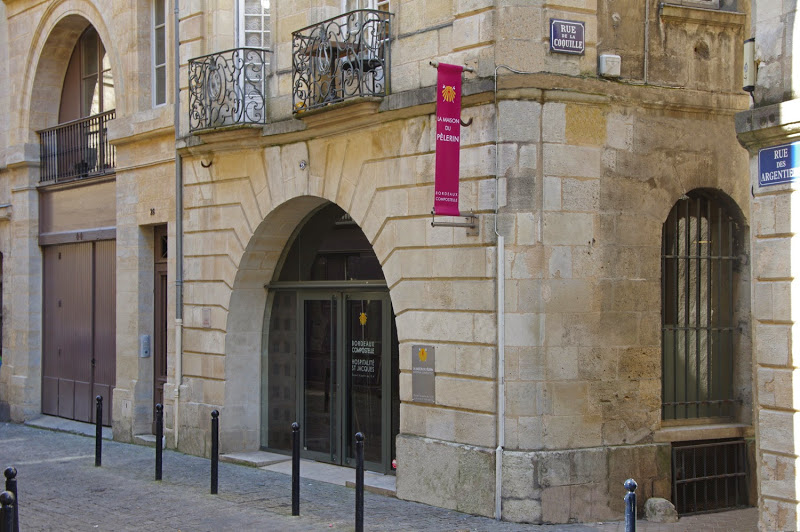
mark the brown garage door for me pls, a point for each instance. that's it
(79, 329)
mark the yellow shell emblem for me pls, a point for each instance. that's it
(362, 319)
(423, 354)
(449, 93)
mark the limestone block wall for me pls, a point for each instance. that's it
(674, 45)
(145, 187)
(773, 238)
(590, 181)
(773, 29)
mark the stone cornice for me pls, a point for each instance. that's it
(542, 87)
(768, 126)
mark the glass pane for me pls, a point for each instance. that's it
(89, 43)
(364, 359)
(253, 7)
(252, 39)
(161, 85)
(319, 372)
(109, 98)
(160, 45)
(91, 97)
(252, 23)
(160, 12)
(281, 371)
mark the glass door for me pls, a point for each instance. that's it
(318, 377)
(345, 376)
(366, 399)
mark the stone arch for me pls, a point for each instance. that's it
(245, 321)
(53, 41)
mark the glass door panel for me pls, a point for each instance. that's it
(319, 376)
(364, 369)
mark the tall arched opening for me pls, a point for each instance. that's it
(330, 349)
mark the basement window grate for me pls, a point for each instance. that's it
(709, 476)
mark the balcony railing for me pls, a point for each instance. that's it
(340, 58)
(77, 149)
(228, 88)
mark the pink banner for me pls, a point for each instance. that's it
(448, 139)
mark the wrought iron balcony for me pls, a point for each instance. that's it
(228, 88)
(340, 58)
(77, 150)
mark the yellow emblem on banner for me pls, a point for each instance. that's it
(449, 93)
(423, 354)
(362, 319)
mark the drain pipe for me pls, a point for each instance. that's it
(501, 312)
(178, 225)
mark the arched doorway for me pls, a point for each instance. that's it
(331, 351)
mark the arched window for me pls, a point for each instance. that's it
(701, 285)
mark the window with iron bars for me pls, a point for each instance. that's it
(700, 264)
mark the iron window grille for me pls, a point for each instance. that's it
(709, 476)
(700, 264)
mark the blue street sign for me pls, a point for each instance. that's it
(778, 164)
(567, 36)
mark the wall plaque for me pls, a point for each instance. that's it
(423, 380)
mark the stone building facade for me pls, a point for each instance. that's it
(280, 263)
(770, 123)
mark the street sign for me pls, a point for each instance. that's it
(778, 164)
(567, 36)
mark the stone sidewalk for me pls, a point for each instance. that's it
(60, 489)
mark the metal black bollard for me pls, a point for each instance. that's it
(11, 486)
(359, 482)
(98, 433)
(7, 511)
(295, 469)
(159, 437)
(630, 505)
(214, 451)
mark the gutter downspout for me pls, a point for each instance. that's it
(501, 311)
(501, 319)
(178, 225)
(646, 37)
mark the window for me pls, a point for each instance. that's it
(159, 42)
(97, 83)
(701, 282)
(254, 24)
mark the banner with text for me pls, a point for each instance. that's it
(448, 139)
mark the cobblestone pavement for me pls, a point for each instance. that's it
(60, 489)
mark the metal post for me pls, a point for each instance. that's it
(359, 482)
(295, 469)
(11, 486)
(630, 506)
(6, 511)
(214, 451)
(98, 434)
(159, 437)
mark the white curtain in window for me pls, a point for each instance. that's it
(254, 24)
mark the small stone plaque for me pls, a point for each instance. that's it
(423, 379)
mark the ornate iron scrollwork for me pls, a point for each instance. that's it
(228, 88)
(340, 58)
